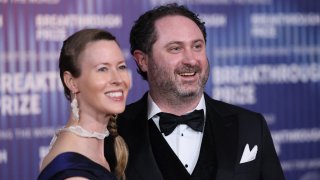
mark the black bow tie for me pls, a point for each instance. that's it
(168, 122)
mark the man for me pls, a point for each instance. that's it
(227, 142)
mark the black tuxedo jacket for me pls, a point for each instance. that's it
(229, 128)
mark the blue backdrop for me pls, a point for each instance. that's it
(264, 55)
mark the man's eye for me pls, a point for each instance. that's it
(198, 46)
(174, 49)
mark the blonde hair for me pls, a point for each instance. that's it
(120, 148)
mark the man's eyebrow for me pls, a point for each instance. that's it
(174, 42)
(198, 40)
(181, 42)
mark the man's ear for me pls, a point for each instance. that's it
(141, 59)
(70, 82)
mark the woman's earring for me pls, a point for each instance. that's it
(75, 108)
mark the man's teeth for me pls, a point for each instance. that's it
(188, 74)
(114, 94)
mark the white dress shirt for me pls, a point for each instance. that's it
(184, 141)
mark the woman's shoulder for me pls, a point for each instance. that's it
(73, 164)
(63, 143)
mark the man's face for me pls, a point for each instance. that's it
(178, 64)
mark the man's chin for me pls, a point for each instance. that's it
(189, 92)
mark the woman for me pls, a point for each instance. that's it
(96, 81)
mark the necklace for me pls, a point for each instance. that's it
(78, 130)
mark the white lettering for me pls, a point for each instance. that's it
(300, 164)
(295, 136)
(214, 20)
(78, 21)
(22, 133)
(264, 32)
(31, 1)
(44, 1)
(43, 132)
(264, 25)
(213, 2)
(29, 56)
(235, 94)
(263, 74)
(3, 156)
(229, 52)
(6, 134)
(1, 21)
(20, 105)
(19, 1)
(30, 82)
(51, 34)
(297, 19)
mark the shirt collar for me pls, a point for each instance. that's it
(154, 109)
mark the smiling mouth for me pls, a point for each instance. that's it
(187, 74)
(115, 94)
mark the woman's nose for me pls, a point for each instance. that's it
(116, 77)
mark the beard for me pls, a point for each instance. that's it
(166, 82)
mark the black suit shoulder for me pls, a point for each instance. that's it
(226, 109)
(134, 116)
(135, 108)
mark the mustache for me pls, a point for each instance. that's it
(187, 68)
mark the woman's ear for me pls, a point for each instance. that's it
(141, 59)
(70, 82)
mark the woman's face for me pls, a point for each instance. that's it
(104, 81)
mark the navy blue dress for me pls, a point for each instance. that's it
(71, 164)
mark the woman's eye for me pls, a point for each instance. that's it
(103, 69)
(123, 67)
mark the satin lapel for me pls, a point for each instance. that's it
(141, 159)
(225, 130)
(206, 164)
(169, 164)
(144, 161)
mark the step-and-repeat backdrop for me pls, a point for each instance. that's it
(264, 55)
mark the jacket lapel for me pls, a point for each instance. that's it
(133, 126)
(206, 165)
(225, 131)
(168, 163)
